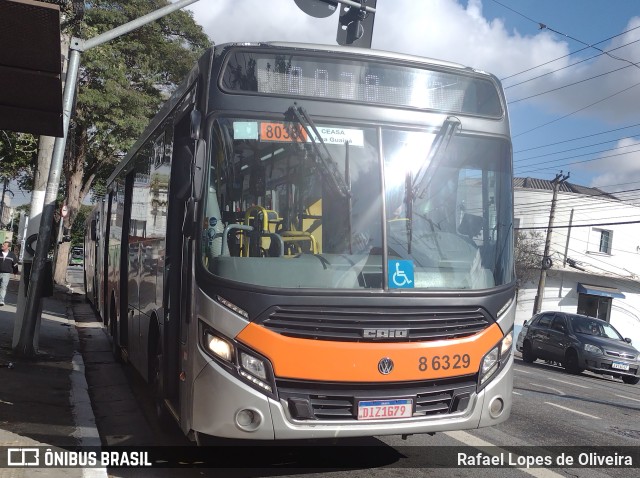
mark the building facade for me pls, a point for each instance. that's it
(594, 252)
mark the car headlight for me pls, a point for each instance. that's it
(594, 349)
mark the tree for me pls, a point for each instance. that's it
(18, 156)
(528, 255)
(122, 84)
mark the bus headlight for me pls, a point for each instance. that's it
(489, 365)
(219, 347)
(240, 361)
(493, 361)
(253, 365)
(506, 345)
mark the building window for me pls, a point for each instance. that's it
(605, 241)
(600, 241)
(594, 306)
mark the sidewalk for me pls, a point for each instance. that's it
(44, 400)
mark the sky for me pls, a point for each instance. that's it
(595, 98)
(572, 107)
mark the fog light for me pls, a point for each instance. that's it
(496, 407)
(248, 419)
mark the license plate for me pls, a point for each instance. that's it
(620, 365)
(382, 409)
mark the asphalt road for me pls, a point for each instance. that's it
(552, 410)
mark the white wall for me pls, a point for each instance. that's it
(619, 269)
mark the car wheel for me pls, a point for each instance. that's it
(527, 354)
(630, 380)
(571, 364)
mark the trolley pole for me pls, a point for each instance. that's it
(25, 346)
(546, 260)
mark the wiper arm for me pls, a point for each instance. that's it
(433, 160)
(430, 164)
(327, 164)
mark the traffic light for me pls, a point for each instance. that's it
(355, 25)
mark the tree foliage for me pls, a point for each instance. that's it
(528, 256)
(18, 158)
(121, 85)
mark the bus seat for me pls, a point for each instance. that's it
(294, 239)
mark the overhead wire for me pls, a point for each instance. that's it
(576, 138)
(574, 63)
(544, 26)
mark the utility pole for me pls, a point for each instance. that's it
(546, 260)
(24, 346)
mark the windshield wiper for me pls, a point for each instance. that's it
(431, 163)
(327, 164)
(434, 158)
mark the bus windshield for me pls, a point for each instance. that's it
(274, 217)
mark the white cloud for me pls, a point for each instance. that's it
(449, 30)
(620, 167)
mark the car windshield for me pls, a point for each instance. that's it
(586, 326)
(282, 211)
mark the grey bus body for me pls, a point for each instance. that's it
(305, 244)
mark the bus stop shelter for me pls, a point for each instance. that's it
(30, 67)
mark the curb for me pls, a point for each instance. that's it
(86, 431)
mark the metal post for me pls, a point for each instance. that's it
(25, 346)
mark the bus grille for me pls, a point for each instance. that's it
(325, 401)
(375, 325)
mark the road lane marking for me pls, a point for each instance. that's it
(568, 383)
(470, 440)
(628, 398)
(521, 371)
(572, 410)
(550, 388)
(516, 393)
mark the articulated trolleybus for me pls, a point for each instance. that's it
(313, 242)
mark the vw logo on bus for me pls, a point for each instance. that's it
(385, 366)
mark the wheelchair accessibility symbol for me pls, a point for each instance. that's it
(401, 275)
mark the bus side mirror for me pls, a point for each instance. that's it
(198, 169)
(195, 122)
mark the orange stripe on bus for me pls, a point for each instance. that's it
(308, 359)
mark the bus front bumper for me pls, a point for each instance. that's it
(224, 406)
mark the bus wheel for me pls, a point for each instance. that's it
(165, 419)
(202, 439)
(115, 348)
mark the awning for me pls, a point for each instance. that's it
(600, 290)
(30, 67)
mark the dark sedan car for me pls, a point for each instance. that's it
(579, 343)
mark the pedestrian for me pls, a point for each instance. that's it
(8, 265)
